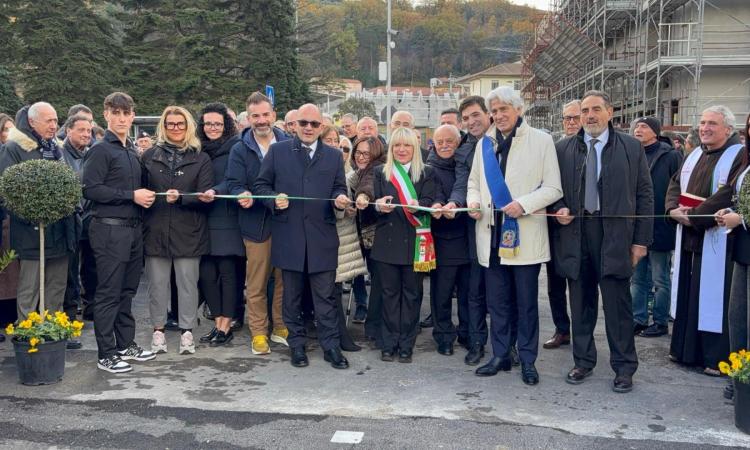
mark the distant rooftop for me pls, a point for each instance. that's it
(504, 69)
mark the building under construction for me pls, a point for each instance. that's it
(665, 58)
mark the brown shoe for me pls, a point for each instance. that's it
(557, 340)
(578, 374)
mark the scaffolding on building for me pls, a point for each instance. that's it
(647, 54)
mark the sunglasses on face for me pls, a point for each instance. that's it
(312, 123)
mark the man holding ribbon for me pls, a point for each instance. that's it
(514, 174)
(702, 263)
(306, 177)
(607, 225)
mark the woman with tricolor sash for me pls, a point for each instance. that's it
(403, 248)
(739, 298)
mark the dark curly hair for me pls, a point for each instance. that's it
(230, 127)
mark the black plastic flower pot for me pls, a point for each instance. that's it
(742, 406)
(45, 366)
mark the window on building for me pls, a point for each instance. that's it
(495, 84)
(517, 85)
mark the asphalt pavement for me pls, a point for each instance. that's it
(228, 398)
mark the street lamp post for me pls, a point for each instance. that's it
(389, 45)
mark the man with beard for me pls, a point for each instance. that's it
(290, 123)
(245, 160)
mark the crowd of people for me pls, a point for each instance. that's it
(271, 221)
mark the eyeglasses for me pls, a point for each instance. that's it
(175, 125)
(346, 149)
(571, 118)
(361, 154)
(312, 123)
(216, 125)
(291, 124)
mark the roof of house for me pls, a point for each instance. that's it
(512, 69)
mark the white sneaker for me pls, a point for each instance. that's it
(158, 342)
(136, 353)
(114, 364)
(186, 343)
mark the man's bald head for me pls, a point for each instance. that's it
(309, 121)
(290, 122)
(367, 127)
(402, 119)
(446, 139)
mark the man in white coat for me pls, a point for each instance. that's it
(514, 174)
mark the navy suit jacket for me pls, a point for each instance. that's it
(306, 230)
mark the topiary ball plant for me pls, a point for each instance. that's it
(40, 192)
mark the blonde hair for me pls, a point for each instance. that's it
(191, 140)
(405, 136)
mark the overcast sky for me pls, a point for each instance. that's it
(541, 4)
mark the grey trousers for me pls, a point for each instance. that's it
(158, 271)
(55, 281)
(739, 311)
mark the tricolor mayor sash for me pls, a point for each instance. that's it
(713, 259)
(424, 245)
(510, 240)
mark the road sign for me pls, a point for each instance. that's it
(270, 94)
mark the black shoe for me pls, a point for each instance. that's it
(514, 359)
(463, 342)
(386, 355)
(337, 360)
(236, 325)
(222, 338)
(360, 314)
(729, 390)
(208, 337)
(73, 344)
(637, 328)
(171, 325)
(445, 348)
(404, 356)
(578, 374)
(655, 331)
(529, 375)
(622, 384)
(427, 322)
(495, 365)
(299, 357)
(476, 353)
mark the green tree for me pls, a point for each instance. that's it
(66, 54)
(360, 107)
(9, 101)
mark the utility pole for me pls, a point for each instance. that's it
(389, 44)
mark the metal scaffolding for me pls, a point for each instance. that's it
(647, 54)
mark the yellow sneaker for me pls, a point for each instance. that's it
(260, 345)
(279, 335)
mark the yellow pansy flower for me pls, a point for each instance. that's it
(35, 317)
(724, 368)
(9, 329)
(77, 325)
(33, 350)
(26, 324)
(33, 341)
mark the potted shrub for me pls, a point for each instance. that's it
(41, 192)
(738, 368)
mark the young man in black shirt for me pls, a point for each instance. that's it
(112, 182)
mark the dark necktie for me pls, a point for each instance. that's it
(308, 150)
(591, 198)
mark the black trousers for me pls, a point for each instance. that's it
(344, 337)
(401, 294)
(73, 287)
(322, 285)
(616, 303)
(88, 276)
(512, 298)
(119, 261)
(443, 280)
(218, 284)
(477, 305)
(558, 301)
(374, 321)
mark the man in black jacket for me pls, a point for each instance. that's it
(604, 173)
(654, 270)
(112, 182)
(34, 138)
(305, 243)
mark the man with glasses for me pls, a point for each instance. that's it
(290, 123)
(245, 160)
(305, 243)
(556, 285)
(349, 125)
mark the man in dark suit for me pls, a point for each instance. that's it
(305, 243)
(604, 173)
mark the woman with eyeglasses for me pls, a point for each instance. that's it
(175, 227)
(367, 152)
(403, 249)
(221, 270)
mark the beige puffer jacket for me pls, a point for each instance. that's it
(351, 262)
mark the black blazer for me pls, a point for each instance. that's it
(394, 235)
(306, 229)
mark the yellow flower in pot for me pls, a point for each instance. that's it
(738, 368)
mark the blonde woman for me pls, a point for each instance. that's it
(175, 227)
(401, 254)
